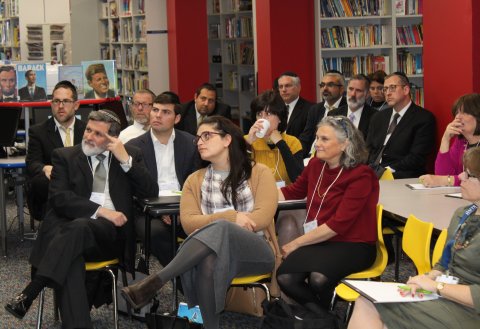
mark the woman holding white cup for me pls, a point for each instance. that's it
(271, 146)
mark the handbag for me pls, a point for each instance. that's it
(165, 321)
(245, 300)
(280, 315)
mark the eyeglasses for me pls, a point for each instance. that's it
(144, 105)
(205, 136)
(378, 88)
(263, 114)
(391, 88)
(330, 85)
(64, 102)
(470, 175)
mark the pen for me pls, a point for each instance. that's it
(421, 291)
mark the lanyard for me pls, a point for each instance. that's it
(447, 251)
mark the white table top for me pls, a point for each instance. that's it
(428, 205)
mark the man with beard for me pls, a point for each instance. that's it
(356, 109)
(170, 157)
(97, 79)
(140, 109)
(61, 130)
(89, 217)
(331, 89)
(204, 104)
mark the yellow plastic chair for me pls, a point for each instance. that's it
(254, 281)
(374, 271)
(439, 245)
(417, 236)
(108, 266)
(387, 175)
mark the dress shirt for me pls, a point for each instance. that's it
(291, 106)
(333, 107)
(132, 131)
(164, 155)
(63, 131)
(402, 113)
(358, 115)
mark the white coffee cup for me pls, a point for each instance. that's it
(266, 124)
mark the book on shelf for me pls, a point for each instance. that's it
(349, 8)
(141, 82)
(72, 73)
(141, 32)
(247, 53)
(354, 36)
(409, 35)
(216, 6)
(127, 7)
(214, 31)
(127, 31)
(409, 63)
(113, 8)
(232, 80)
(247, 83)
(115, 33)
(105, 10)
(22, 84)
(141, 62)
(353, 65)
(399, 7)
(141, 7)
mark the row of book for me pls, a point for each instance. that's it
(350, 66)
(110, 8)
(231, 53)
(9, 36)
(410, 35)
(247, 54)
(408, 7)
(417, 95)
(354, 36)
(128, 83)
(410, 63)
(247, 83)
(240, 27)
(8, 8)
(349, 8)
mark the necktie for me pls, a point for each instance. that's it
(100, 176)
(200, 119)
(68, 138)
(31, 92)
(393, 124)
(351, 117)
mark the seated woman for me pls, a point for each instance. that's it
(340, 226)
(227, 209)
(377, 97)
(280, 152)
(459, 305)
(461, 134)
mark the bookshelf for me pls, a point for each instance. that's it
(362, 36)
(123, 37)
(9, 30)
(231, 53)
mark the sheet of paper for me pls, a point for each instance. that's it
(423, 187)
(385, 292)
(454, 195)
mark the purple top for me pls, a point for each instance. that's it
(450, 163)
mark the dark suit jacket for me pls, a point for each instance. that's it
(298, 118)
(91, 94)
(315, 114)
(185, 154)
(38, 94)
(409, 145)
(43, 139)
(188, 121)
(365, 119)
(70, 190)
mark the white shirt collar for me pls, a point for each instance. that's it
(59, 126)
(335, 105)
(155, 139)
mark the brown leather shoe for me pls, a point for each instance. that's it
(141, 293)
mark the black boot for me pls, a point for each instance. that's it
(18, 306)
(141, 293)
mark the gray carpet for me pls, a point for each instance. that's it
(15, 274)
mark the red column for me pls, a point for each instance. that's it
(286, 42)
(451, 55)
(187, 46)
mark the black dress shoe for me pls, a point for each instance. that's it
(141, 293)
(18, 306)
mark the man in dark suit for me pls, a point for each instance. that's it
(403, 136)
(204, 104)
(31, 92)
(331, 89)
(89, 217)
(289, 88)
(62, 129)
(170, 157)
(356, 109)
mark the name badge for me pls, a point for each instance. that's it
(280, 183)
(449, 279)
(309, 226)
(216, 210)
(98, 198)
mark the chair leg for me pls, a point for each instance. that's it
(41, 300)
(397, 256)
(267, 291)
(348, 313)
(333, 301)
(114, 296)
(125, 283)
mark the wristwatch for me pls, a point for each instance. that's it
(440, 287)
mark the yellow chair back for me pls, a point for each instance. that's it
(439, 245)
(416, 240)
(387, 175)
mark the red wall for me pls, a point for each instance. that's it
(451, 55)
(187, 46)
(286, 42)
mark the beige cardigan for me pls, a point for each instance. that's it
(264, 190)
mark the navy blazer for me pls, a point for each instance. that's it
(367, 115)
(185, 154)
(188, 120)
(410, 144)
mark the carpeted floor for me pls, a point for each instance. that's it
(15, 274)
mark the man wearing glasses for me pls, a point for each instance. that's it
(140, 109)
(401, 137)
(204, 104)
(62, 129)
(332, 88)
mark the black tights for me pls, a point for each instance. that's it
(195, 253)
(316, 290)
